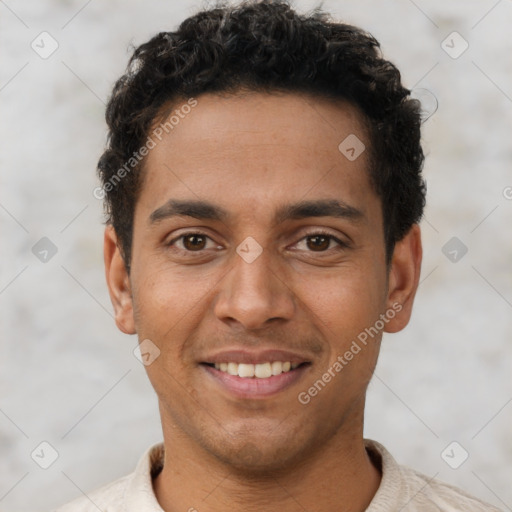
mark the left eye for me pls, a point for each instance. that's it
(320, 242)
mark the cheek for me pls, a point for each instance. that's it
(346, 302)
(164, 310)
(168, 304)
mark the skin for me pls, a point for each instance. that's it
(251, 154)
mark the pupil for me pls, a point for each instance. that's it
(318, 242)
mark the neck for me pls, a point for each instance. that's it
(340, 472)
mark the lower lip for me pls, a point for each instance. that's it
(256, 388)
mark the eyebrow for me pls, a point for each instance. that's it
(318, 208)
(195, 209)
(204, 210)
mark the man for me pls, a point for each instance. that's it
(263, 189)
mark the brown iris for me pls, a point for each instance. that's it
(318, 242)
(194, 242)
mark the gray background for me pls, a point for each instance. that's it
(70, 378)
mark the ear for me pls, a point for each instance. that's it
(404, 278)
(118, 282)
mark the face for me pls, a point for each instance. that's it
(258, 247)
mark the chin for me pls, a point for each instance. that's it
(258, 456)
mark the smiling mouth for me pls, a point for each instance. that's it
(256, 371)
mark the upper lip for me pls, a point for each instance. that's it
(255, 357)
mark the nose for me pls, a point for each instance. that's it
(254, 294)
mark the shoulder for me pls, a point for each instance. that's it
(441, 496)
(403, 488)
(100, 499)
(133, 492)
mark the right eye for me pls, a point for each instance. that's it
(191, 242)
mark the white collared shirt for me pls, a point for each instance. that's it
(401, 489)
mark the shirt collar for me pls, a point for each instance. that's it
(390, 489)
(139, 495)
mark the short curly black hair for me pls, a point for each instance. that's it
(266, 46)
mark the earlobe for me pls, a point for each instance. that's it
(118, 282)
(404, 277)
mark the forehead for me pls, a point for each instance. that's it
(260, 147)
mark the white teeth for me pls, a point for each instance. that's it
(232, 369)
(262, 371)
(245, 370)
(259, 371)
(277, 368)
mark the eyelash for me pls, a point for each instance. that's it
(341, 244)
